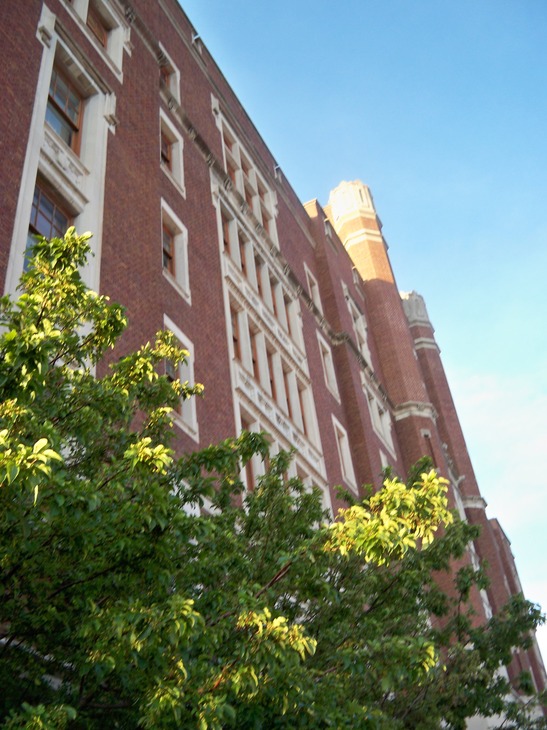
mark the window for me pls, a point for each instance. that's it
(249, 472)
(289, 396)
(168, 240)
(171, 147)
(248, 182)
(381, 419)
(165, 150)
(313, 289)
(344, 454)
(97, 24)
(107, 26)
(64, 109)
(359, 327)
(169, 74)
(272, 372)
(47, 218)
(236, 337)
(174, 251)
(185, 415)
(328, 366)
(255, 353)
(244, 245)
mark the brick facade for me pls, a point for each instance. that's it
(292, 312)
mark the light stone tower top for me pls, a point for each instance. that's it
(350, 198)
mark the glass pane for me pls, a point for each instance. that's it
(43, 225)
(59, 125)
(46, 207)
(61, 92)
(73, 108)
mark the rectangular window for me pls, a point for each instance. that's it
(249, 472)
(313, 289)
(226, 233)
(171, 149)
(271, 374)
(236, 339)
(254, 334)
(64, 109)
(174, 251)
(248, 182)
(186, 413)
(169, 74)
(242, 243)
(47, 218)
(168, 240)
(97, 25)
(165, 150)
(344, 454)
(258, 272)
(359, 327)
(288, 394)
(328, 366)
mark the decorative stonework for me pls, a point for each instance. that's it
(414, 408)
(415, 309)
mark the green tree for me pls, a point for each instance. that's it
(126, 604)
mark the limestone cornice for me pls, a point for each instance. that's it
(414, 409)
(474, 502)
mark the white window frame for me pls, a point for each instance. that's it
(118, 38)
(261, 196)
(313, 289)
(176, 173)
(381, 419)
(329, 370)
(181, 278)
(360, 328)
(344, 454)
(187, 418)
(77, 179)
(173, 85)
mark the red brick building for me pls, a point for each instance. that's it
(116, 119)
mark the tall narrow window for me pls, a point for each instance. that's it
(313, 288)
(344, 454)
(185, 410)
(64, 109)
(97, 25)
(165, 151)
(169, 74)
(174, 251)
(168, 241)
(254, 354)
(47, 218)
(171, 149)
(250, 478)
(288, 394)
(242, 243)
(172, 375)
(271, 374)
(328, 366)
(236, 340)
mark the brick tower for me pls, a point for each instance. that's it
(351, 211)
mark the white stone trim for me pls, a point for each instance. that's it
(181, 279)
(426, 343)
(77, 179)
(176, 173)
(415, 408)
(187, 420)
(344, 454)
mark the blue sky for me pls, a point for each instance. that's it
(440, 108)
